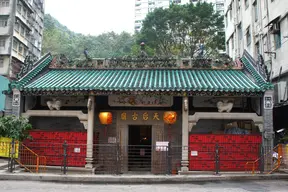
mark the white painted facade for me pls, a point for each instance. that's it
(260, 27)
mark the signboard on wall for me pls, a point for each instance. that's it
(268, 102)
(140, 101)
(162, 145)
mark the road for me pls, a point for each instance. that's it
(243, 186)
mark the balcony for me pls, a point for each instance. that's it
(17, 55)
(24, 20)
(21, 38)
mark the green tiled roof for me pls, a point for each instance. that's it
(143, 80)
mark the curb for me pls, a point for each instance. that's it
(137, 179)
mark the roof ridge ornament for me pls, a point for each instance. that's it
(27, 65)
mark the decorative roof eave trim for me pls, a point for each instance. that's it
(43, 58)
(34, 72)
(171, 93)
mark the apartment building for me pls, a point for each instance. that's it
(261, 28)
(21, 28)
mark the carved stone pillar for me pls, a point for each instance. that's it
(185, 135)
(268, 131)
(90, 131)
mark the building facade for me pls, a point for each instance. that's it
(261, 28)
(21, 28)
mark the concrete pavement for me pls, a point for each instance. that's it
(138, 179)
(219, 186)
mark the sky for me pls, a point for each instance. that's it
(93, 16)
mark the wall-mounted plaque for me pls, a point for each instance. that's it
(140, 100)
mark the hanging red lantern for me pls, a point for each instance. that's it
(169, 117)
(105, 119)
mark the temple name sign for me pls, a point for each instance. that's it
(140, 100)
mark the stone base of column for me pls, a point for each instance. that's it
(89, 163)
(184, 166)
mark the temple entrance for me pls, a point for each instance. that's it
(139, 147)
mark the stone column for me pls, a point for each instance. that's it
(185, 135)
(268, 131)
(90, 132)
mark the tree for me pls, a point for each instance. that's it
(184, 30)
(14, 127)
(58, 39)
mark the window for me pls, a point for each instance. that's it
(25, 52)
(240, 33)
(277, 35)
(4, 3)
(19, 7)
(22, 30)
(231, 13)
(15, 44)
(255, 7)
(20, 49)
(1, 62)
(232, 41)
(17, 26)
(2, 42)
(3, 22)
(248, 36)
(24, 12)
(257, 48)
(246, 3)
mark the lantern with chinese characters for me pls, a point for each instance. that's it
(105, 119)
(169, 117)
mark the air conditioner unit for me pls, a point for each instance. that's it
(280, 92)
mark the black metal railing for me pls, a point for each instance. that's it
(120, 159)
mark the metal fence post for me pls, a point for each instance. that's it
(118, 164)
(217, 159)
(261, 164)
(11, 163)
(65, 157)
(169, 160)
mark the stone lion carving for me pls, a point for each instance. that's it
(224, 105)
(54, 104)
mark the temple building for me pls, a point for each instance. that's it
(142, 114)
